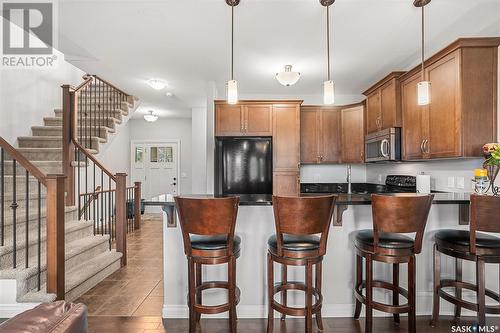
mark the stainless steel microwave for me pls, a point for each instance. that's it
(383, 146)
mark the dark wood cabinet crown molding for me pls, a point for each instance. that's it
(461, 43)
(379, 84)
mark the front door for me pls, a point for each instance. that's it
(156, 166)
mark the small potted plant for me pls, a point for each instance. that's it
(491, 153)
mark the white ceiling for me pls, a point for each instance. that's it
(186, 43)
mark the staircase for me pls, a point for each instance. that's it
(89, 256)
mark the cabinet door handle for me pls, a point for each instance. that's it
(426, 146)
(422, 146)
(246, 125)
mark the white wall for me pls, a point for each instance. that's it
(28, 95)
(199, 150)
(115, 154)
(168, 129)
(211, 96)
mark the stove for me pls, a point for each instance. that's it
(393, 184)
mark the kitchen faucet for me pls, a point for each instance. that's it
(349, 189)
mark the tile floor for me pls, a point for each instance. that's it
(136, 289)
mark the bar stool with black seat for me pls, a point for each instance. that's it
(296, 243)
(208, 232)
(393, 216)
(471, 245)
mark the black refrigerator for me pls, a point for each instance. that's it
(244, 167)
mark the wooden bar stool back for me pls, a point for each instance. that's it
(393, 216)
(208, 226)
(299, 221)
(473, 245)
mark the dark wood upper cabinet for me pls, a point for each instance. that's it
(286, 137)
(413, 123)
(229, 120)
(353, 138)
(258, 120)
(330, 143)
(383, 104)
(243, 119)
(462, 114)
(373, 112)
(309, 135)
(320, 135)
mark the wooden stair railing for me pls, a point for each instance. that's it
(54, 187)
(100, 195)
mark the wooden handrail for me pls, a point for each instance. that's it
(109, 84)
(93, 159)
(23, 161)
(87, 80)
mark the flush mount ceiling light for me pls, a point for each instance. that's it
(288, 78)
(157, 84)
(328, 85)
(232, 85)
(150, 117)
(169, 94)
(423, 87)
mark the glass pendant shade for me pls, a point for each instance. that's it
(288, 78)
(424, 93)
(232, 92)
(328, 92)
(150, 117)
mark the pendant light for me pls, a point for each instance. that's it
(423, 87)
(232, 85)
(328, 85)
(150, 117)
(288, 78)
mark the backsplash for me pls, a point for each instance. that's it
(446, 175)
(324, 173)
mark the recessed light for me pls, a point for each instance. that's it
(157, 84)
(169, 94)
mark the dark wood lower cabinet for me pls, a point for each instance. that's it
(286, 183)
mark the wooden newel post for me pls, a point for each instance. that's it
(121, 215)
(55, 235)
(68, 146)
(137, 205)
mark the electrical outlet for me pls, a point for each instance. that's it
(461, 182)
(379, 178)
(451, 182)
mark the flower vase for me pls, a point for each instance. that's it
(492, 175)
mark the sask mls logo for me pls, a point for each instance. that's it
(27, 34)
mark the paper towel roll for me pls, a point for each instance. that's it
(423, 184)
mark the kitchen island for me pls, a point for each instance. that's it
(256, 223)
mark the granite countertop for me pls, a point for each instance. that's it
(342, 198)
(439, 198)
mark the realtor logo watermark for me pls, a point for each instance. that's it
(474, 329)
(28, 35)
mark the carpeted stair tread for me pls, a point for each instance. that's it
(75, 276)
(70, 226)
(72, 249)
